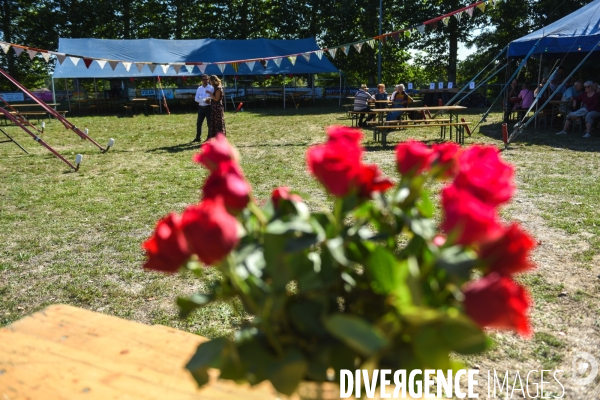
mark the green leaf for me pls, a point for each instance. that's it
(463, 336)
(306, 317)
(423, 227)
(384, 270)
(300, 243)
(356, 333)
(207, 355)
(277, 267)
(336, 249)
(279, 227)
(189, 304)
(433, 352)
(426, 206)
(456, 261)
(286, 374)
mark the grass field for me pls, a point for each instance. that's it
(74, 237)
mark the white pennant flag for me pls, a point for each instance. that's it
(306, 56)
(46, 55)
(250, 65)
(221, 66)
(101, 63)
(458, 16)
(18, 50)
(189, 68)
(202, 68)
(5, 47)
(494, 3)
(139, 66)
(332, 52)
(277, 61)
(74, 60)
(470, 12)
(165, 68)
(319, 53)
(371, 43)
(60, 56)
(113, 64)
(292, 59)
(358, 46)
(421, 29)
(177, 67)
(152, 67)
(127, 65)
(346, 49)
(31, 53)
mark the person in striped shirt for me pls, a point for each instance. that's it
(361, 104)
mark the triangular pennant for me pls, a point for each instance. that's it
(32, 54)
(358, 46)
(18, 50)
(457, 16)
(277, 61)
(88, 62)
(346, 49)
(332, 52)
(469, 12)
(481, 6)
(127, 65)
(165, 68)
(5, 47)
(59, 56)
(74, 60)
(371, 43)
(319, 53)
(152, 67)
(292, 60)
(434, 24)
(221, 66)
(177, 67)
(396, 36)
(139, 66)
(190, 68)
(113, 64)
(46, 55)
(202, 68)
(494, 3)
(264, 63)
(101, 63)
(235, 66)
(445, 20)
(250, 65)
(306, 56)
(421, 29)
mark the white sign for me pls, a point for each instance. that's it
(471, 85)
(10, 97)
(440, 85)
(410, 86)
(449, 85)
(432, 85)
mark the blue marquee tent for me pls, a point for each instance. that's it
(578, 32)
(159, 51)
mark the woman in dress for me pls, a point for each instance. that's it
(217, 115)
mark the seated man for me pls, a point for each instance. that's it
(557, 78)
(361, 104)
(569, 94)
(590, 109)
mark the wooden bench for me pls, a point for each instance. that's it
(39, 115)
(384, 130)
(128, 110)
(355, 116)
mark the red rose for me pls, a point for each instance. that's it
(336, 165)
(229, 183)
(283, 193)
(467, 219)
(216, 152)
(412, 157)
(370, 180)
(211, 232)
(496, 301)
(483, 173)
(445, 158)
(167, 249)
(509, 253)
(338, 133)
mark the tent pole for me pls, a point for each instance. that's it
(156, 96)
(95, 89)
(53, 92)
(312, 84)
(68, 99)
(283, 91)
(340, 91)
(538, 85)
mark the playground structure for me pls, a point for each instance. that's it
(28, 127)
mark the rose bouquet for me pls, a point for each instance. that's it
(374, 283)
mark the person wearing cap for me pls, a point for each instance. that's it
(361, 104)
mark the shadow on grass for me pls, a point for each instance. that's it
(178, 148)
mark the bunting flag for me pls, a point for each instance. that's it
(319, 53)
(75, 60)
(250, 65)
(445, 20)
(358, 46)
(177, 67)
(235, 66)
(88, 62)
(421, 29)
(221, 66)
(306, 56)
(277, 61)
(264, 63)
(127, 65)
(371, 43)
(18, 50)
(113, 64)
(494, 3)
(164, 67)
(470, 12)
(32, 54)
(139, 66)
(332, 52)
(481, 6)
(457, 16)
(46, 55)
(5, 47)
(101, 63)
(60, 56)
(152, 67)
(189, 68)
(434, 24)
(292, 59)
(396, 36)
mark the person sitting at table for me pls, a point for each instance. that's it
(570, 93)
(401, 99)
(381, 94)
(361, 104)
(590, 109)
(524, 100)
(511, 93)
(557, 78)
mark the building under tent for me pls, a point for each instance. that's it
(145, 58)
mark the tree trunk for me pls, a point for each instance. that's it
(453, 51)
(7, 34)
